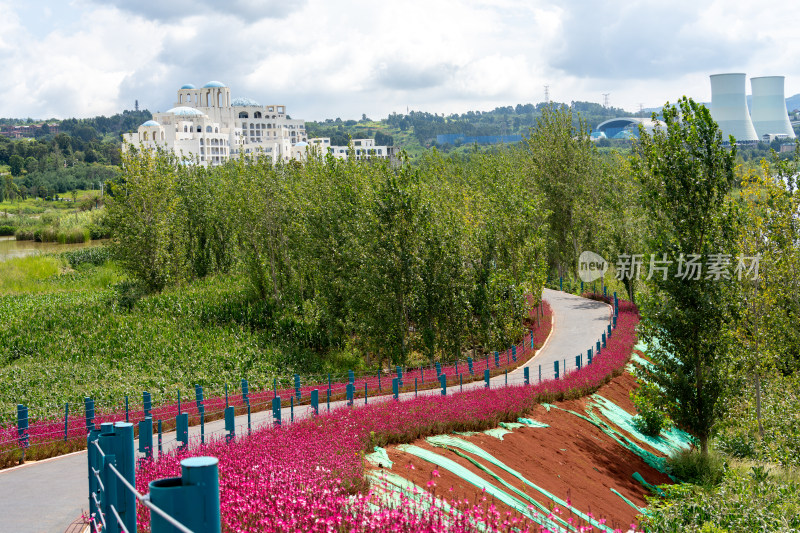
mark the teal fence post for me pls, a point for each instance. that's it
(127, 411)
(66, 421)
(604, 340)
(179, 401)
(192, 499)
(379, 382)
(589, 356)
(201, 410)
(527, 373)
(274, 387)
(514, 353)
(297, 386)
(182, 429)
(329, 399)
(422, 374)
(146, 437)
(560, 283)
(415, 387)
(615, 321)
(160, 447)
(461, 382)
(147, 404)
(609, 331)
(555, 364)
(230, 422)
(22, 426)
(486, 377)
(351, 377)
(597, 348)
(616, 303)
(605, 295)
(438, 369)
(457, 366)
(532, 346)
(246, 400)
(276, 411)
(226, 396)
(88, 409)
(540, 373)
(395, 388)
(497, 359)
(469, 364)
(126, 466)
(399, 376)
(578, 362)
(291, 409)
(443, 383)
(315, 401)
(350, 394)
(365, 392)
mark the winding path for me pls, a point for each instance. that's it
(47, 496)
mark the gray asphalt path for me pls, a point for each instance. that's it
(47, 496)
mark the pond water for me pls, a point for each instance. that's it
(10, 248)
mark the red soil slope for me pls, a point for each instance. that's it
(572, 459)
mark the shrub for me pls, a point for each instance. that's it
(24, 234)
(690, 466)
(93, 255)
(5, 231)
(650, 419)
(127, 293)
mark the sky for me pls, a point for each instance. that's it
(344, 58)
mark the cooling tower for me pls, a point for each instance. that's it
(729, 107)
(768, 110)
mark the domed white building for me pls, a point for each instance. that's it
(207, 126)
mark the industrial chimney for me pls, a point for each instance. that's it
(729, 107)
(769, 107)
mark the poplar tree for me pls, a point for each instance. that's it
(686, 173)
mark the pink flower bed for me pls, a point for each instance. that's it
(46, 435)
(309, 476)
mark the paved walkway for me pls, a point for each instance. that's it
(47, 496)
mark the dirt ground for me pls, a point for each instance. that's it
(572, 459)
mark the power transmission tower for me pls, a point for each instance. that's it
(547, 94)
(641, 110)
(136, 105)
(605, 99)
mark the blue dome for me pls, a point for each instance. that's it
(184, 111)
(188, 86)
(241, 102)
(301, 144)
(213, 84)
(151, 123)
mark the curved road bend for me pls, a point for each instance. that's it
(47, 496)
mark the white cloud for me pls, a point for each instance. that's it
(327, 59)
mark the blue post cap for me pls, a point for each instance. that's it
(199, 462)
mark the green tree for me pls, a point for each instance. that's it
(148, 231)
(686, 174)
(16, 163)
(561, 163)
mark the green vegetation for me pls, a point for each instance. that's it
(686, 176)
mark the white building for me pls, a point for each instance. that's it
(362, 149)
(208, 126)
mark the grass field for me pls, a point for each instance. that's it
(65, 333)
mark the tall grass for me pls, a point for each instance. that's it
(25, 274)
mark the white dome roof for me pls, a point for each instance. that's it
(184, 111)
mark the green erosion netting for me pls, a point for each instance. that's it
(379, 458)
(497, 432)
(454, 444)
(668, 442)
(533, 423)
(652, 488)
(489, 488)
(639, 510)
